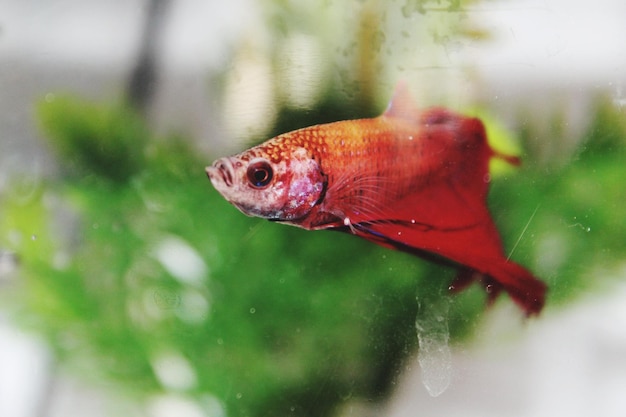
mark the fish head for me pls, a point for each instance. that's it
(281, 186)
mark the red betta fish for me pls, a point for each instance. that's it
(411, 180)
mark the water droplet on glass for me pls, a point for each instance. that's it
(433, 335)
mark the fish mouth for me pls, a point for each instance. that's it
(221, 170)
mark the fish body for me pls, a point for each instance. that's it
(410, 180)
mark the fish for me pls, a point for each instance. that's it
(411, 180)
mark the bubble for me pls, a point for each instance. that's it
(252, 310)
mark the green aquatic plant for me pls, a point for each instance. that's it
(129, 260)
(157, 262)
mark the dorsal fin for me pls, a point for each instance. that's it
(402, 105)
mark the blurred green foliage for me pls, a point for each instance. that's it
(273, 321)
(90, 139)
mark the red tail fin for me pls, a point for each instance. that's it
(523, 288)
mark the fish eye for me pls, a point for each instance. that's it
(260, 174)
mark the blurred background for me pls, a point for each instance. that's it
(129, 287)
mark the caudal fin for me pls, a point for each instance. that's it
(524, 289)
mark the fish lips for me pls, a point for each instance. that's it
(221, 172)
